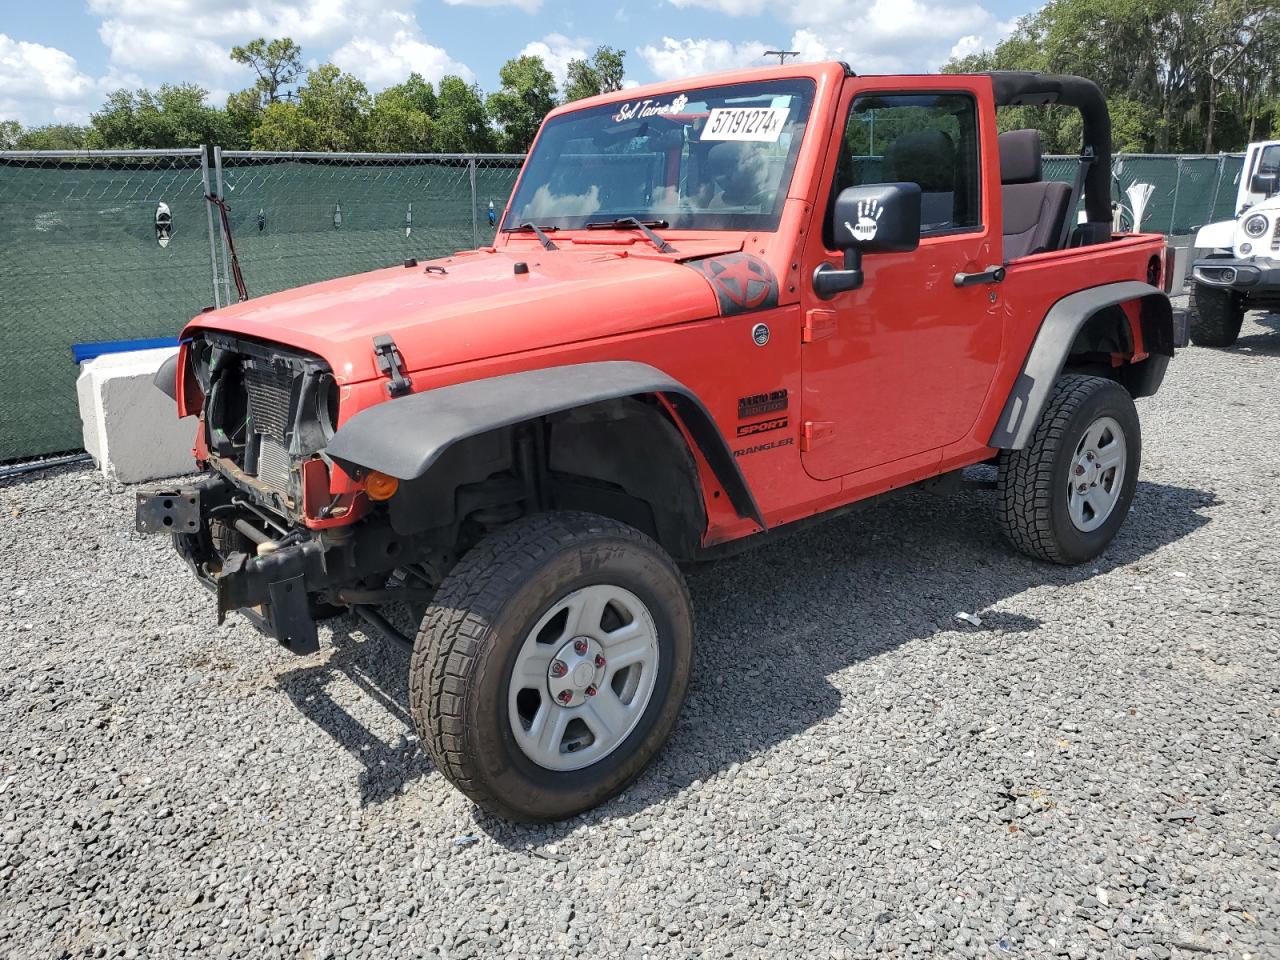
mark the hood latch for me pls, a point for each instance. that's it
(391, 365)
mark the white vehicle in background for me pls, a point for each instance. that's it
(1238, 263)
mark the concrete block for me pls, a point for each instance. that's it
(131, 429)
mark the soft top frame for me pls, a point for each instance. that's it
(1014, 88)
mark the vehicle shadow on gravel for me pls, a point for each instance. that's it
(1255, 344)
(773, 624)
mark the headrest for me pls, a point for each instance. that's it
(1020, 157)
(926, 157)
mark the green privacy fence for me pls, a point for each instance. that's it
(301, 217)
(80, 260)
(1190, 191)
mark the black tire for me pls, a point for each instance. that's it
(467, 647)
(1033, 484)
(1214, 315)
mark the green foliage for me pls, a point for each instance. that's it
(603, 73)
(55, 136)
(461, 124)
(338, 105)
(175, 115)
(528, 93)
(278, 64)
(1180, 75)
(10, 131)
(401, 118)
(283, 127)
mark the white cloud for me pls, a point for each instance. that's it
(379, 41)
(40, 84)
(384, 64)
(528, 6)
(690, 57)
(880, 36)
(556, 50)
(733, 8)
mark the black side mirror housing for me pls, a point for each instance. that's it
(1264, 183)
(873, 218)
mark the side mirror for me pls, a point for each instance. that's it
(874, 218)
(1264, 183)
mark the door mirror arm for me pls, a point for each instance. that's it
(829, 281)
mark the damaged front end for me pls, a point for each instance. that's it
(262, 529)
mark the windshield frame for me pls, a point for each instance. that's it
(805, 88)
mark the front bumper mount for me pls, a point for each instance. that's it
(1253, 276)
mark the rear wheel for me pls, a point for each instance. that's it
(1215, 315)
(552, 664)
(1063, 497)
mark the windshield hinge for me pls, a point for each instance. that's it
(391, 365)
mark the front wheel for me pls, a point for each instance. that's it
(1063, 497)
(1214, 315)
(552, 664)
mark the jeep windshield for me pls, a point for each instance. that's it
(717, 158)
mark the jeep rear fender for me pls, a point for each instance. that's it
(406, 436)
(1053, 344)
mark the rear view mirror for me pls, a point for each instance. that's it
(873, 218)
(1264, 183)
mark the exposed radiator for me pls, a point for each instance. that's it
(270, 391)
(273, 465)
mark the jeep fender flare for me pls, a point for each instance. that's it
(1052, 346)
(1216, 236)
(404, 437)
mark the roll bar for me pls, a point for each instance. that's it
(1029, 88)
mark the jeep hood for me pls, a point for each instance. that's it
(476, 305)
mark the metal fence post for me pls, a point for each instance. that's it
(226, 253)
(1173, 211)
(208, 211)
(1217, 187)
(475, 211)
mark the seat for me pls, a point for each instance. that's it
(1034, 211)
(927, 158)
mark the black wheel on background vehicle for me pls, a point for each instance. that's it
(1063, 496)
(552, 664)
(1214, 315)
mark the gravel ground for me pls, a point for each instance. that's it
(1093, 772)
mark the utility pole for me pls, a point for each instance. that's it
(782, 54)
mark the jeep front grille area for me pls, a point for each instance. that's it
(266, 410)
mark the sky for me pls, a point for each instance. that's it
(60, 58)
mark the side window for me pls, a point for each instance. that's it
(1269, 161)
(930, 139)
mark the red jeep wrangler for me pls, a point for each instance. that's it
(715, 309)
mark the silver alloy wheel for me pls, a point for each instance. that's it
(1097, 474)
(583, 677)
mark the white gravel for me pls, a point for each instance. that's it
(1093, 772)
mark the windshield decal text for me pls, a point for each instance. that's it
(639, 109)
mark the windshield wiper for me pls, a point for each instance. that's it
(624, 223)
(538, 232)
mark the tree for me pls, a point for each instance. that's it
(337, 104)
(401, 118)
(278, 64)
(1181, 75)
(461, 125)
(283, 127)
(603, 73)
(10, 131)
(172, 116)
(54, 136)
(528, 93)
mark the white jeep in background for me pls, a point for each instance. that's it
(1237, 267)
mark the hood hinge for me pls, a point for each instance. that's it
(391, 365)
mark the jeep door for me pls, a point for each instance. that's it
(901, 366)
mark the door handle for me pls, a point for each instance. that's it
(989, 275)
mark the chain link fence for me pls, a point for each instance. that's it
(122, 245)
(1190, 191)
(83, 260)
(297, 218)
